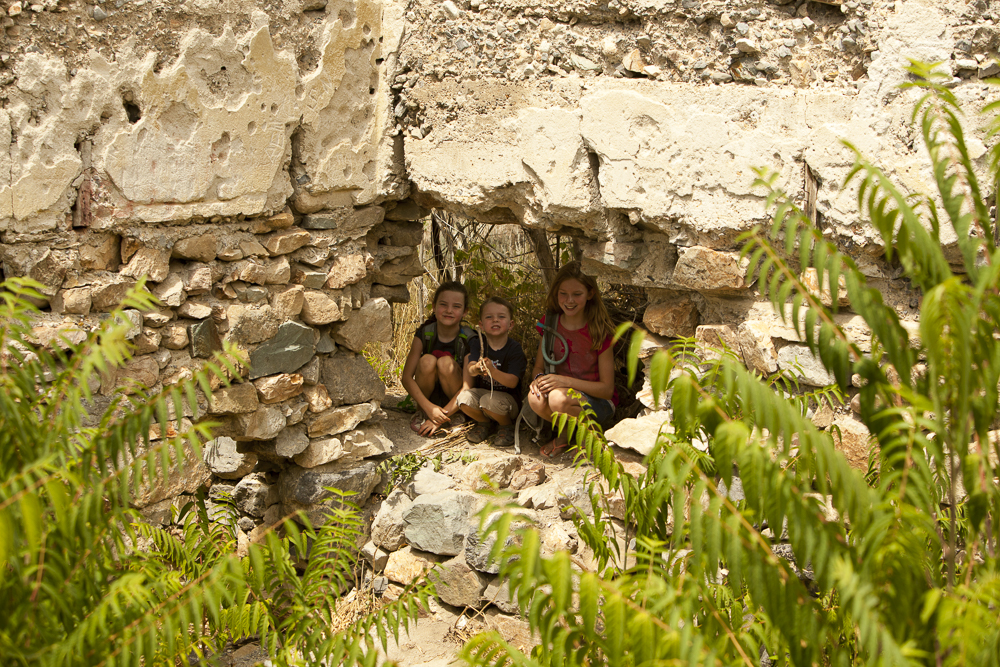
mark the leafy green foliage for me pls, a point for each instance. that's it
(894, 567)
(83, 581)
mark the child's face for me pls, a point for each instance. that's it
(572, 296)
(449, 307)
(495, 320)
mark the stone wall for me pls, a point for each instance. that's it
(264, 166)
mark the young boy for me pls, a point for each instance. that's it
(491, 385)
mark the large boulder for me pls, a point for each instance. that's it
(438, 522)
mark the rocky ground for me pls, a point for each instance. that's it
(431, 521)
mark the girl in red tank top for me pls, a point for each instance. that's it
(589, 368)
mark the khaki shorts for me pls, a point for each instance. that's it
(501, 403)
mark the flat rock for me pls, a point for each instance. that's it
(200, 248)
(427, 480)
(346, 270)
(233, 400)
(249, 324)
(704, 269)
(293, 346)
(338, 420)
(351, 379)
(639, 433)
(437, 522)
(286, 241)
(676, 317)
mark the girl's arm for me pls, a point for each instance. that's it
(604, 387)
(408, 381)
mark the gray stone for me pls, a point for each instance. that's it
(437, 522)
(388, 528)
(366, 441)
(371, 323)
(205, 339)
(348, 223)
(292, 347)
(479, 543)
(351, 379)
(250, 495)
(305, 489)
(458, 584)
(321, 451)
(377, 559)
(291, 441)
(225, 461)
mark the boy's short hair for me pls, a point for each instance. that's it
(500, 301)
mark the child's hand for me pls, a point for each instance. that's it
(487, 366)
(438, 416)
(546, 383)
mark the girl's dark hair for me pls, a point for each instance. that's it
(499, 300)
(599, 324)
(450, 286)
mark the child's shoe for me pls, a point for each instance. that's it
(480, 431)
(505, 436)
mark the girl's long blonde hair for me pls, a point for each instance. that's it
(599, 324)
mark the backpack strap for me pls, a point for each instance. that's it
(427, 333)
(465, 334)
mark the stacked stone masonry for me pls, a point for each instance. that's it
(264, 167)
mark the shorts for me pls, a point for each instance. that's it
(501, 403)
(603, 408)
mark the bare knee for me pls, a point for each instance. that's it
(560, 401)
(446, 366)
(540, 406)
(427, 367)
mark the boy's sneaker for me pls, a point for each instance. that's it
(505, 436)
(480, 431)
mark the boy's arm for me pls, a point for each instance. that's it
(516, 363)
(467, 379)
